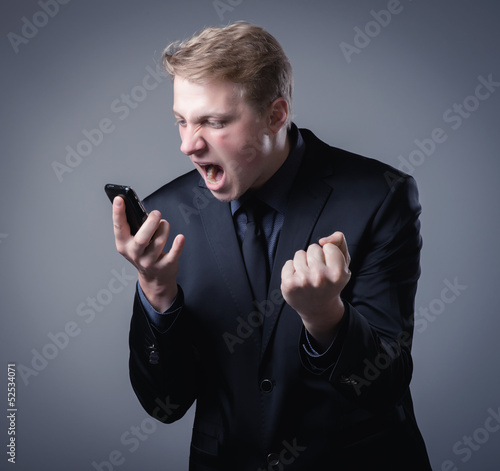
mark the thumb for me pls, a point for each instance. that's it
(337, 238)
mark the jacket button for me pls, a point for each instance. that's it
(266, 386)
(348, 380)
(273, 459)
(154, 356)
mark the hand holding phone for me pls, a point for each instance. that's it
(157, 269)
(136, 213)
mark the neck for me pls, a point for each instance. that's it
(282, 149)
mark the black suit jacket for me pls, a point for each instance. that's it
(261, 401)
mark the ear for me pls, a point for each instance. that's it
(278, 114)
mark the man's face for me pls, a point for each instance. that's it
(225, 138)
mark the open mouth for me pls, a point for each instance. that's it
(213, 173)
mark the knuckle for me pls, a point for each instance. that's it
(141, 242)
(330, 247)
(317, 278)
(337, 274)
(120, 248)
(146, 265)
(285, 282)
(301, 280)
(289, 285)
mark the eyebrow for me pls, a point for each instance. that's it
(198, 119)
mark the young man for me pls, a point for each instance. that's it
(304, 361)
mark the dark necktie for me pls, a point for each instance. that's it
(254, 249)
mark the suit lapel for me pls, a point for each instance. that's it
(307, 199)
(219, 229)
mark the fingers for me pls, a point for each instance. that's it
(146, 247)
(315, 256)
(336, 261)
(306, 267)
(315, 266)
(338, 239)
(177, 248)
(150, 242)
(334, 238)
(120, 224)
(151, 228)
(300, 261)
(288, 270)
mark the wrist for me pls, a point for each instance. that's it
(324, 328)
(159, 296)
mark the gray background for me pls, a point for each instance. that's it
(56, 242)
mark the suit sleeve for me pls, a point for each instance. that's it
(163, 364)
(370, 361)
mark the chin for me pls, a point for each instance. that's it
(226, 197)
(223, 197)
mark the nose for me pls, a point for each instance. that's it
(192, 141)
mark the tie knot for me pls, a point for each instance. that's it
(254, 209)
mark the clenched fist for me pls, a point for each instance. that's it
(311, 284)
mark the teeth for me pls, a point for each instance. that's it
(211, 172)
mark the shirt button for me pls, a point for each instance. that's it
(273, 459)
(266, 386)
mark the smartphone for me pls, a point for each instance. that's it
(136, 213)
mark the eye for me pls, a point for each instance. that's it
(180, 122)
(216, 124)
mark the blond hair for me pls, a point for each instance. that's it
(242, 53)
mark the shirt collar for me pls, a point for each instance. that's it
(276, 190)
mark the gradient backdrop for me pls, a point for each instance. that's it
(81, 77)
